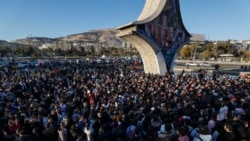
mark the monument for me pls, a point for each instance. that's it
(158, 34)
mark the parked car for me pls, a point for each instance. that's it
(191, 64)
(205, 64)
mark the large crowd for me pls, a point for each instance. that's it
(77, 102)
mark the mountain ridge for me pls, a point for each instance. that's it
(106, 37)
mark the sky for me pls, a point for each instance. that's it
(217, 19)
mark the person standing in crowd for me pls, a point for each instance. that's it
(183, 134)
(223, 111)
(62, 133)
(203, 134)
(229, 134)
(89, 131)
(78, 102)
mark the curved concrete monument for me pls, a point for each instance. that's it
(158, 34)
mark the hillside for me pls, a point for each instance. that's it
(105, 37)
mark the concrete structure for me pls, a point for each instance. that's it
(227, 57)
(158, 34)
(198, 37)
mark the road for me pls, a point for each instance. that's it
(233, 68)
(216, 62)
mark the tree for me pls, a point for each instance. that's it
(247, 55)
(92, 50)
(208, 46)
(206, 54)
(98, 51)
(50, 51)
(59, 51)
(186, 51)
(224, 47)
(5, 51)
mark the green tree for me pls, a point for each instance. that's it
(224, 48)
(98, 51)
(59, 52)
(5, 51)
(247, 55)
(186, 51)
(92, 50)
(208, 46)
(114, 51)
(206, 54)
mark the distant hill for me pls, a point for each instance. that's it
(105, 37)
(2, 42)
(94, 35)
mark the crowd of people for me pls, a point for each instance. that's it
(77, 102)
